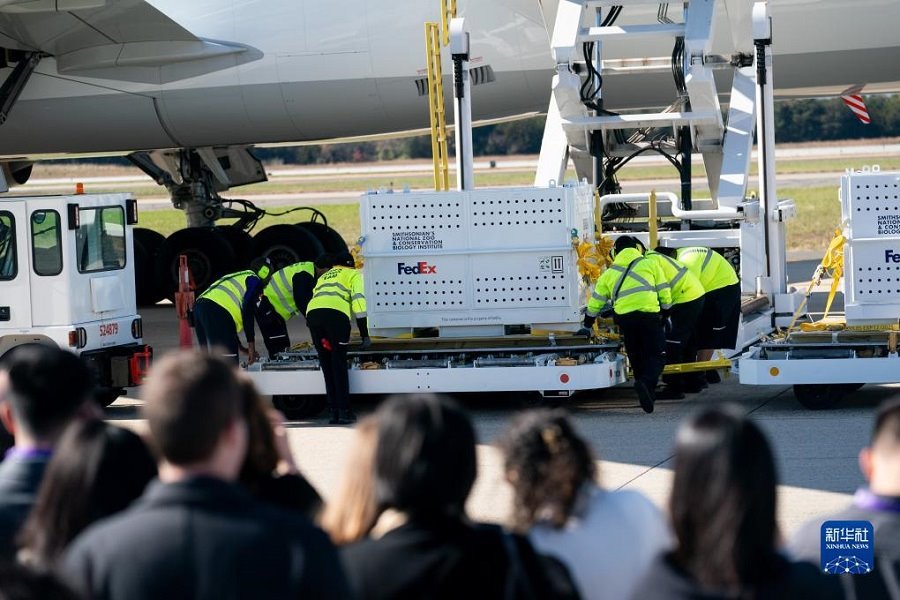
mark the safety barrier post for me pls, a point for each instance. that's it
(184, 302)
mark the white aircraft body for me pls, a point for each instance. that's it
(125, 75)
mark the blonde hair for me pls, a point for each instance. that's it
(352, 512)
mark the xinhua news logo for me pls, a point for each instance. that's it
(848, 547)
(420, 268)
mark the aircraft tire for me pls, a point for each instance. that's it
(147, 244)
(330, 239)
(210, 255)
(823, 396)
(286, 244)
(299, 406)
(241, 243)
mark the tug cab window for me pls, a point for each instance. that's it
(46, 242)
(100, 240)
(8, 266)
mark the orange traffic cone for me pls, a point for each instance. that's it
(184, 302)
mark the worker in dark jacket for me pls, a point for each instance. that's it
(285, 296)
(338, 295)
(196, 534)
(681, 326)
(635, 290)
(229, 306)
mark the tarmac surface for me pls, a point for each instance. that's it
(816, 451)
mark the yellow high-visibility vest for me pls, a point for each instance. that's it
(711, 268)
(280, 289)
(341, 289)
(228, 292)
(642, 287)
(684, 284)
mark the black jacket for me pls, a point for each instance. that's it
(20, 478)
(203, 538)
(451, 559)
(666, 581)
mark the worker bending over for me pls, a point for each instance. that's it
(285, 296)
(722, 305)
(337, 296)
(228, 306)
(681, 326)
(635, 290)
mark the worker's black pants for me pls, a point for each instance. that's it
(330, 330)
(645, 344)
(272, 327)
(216, 331)
(681, 342)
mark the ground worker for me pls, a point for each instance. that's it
(635, 291)
(680, 327)
(228, 306)
(722, 304)
(286, 296)
(338, 296)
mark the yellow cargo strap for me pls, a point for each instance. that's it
(832, 264)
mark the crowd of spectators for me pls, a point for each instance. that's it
(209, 503)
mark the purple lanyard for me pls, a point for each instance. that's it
(866, 499)
(23, 453)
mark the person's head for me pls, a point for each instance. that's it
(96, 471)
(425, 456)
(324, 262)
(262, 266)
(546, 463)
(344, 259)
(880, 461)
(670, 252)
(262, 456)
(194, 407)
(46, 389)
(723, 499)
(624, 242)
(352, 512)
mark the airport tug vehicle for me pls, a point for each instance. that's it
(67, 278)
(480, 289)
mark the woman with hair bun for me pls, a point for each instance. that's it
(607, 539)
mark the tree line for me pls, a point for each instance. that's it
(795, 121)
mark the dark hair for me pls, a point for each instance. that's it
(47, 386)
(262, 456)
(547, 464)
(425, 456)
(344, 259)
(324, 261)
(18, 582)
(96, 471)
(723, 500)
(190, 399)
(670, 252)
(887, 423)
(626, 241)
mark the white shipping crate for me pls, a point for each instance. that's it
(870, 207)
(472, 262)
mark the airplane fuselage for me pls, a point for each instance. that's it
(316, 70)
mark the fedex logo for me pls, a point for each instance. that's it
(891, 256)
(420, 268)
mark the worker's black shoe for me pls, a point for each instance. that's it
(645, 396)
(335, 418)
(713, 377)
(669, 393)
(347, 418)
(694, 388)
